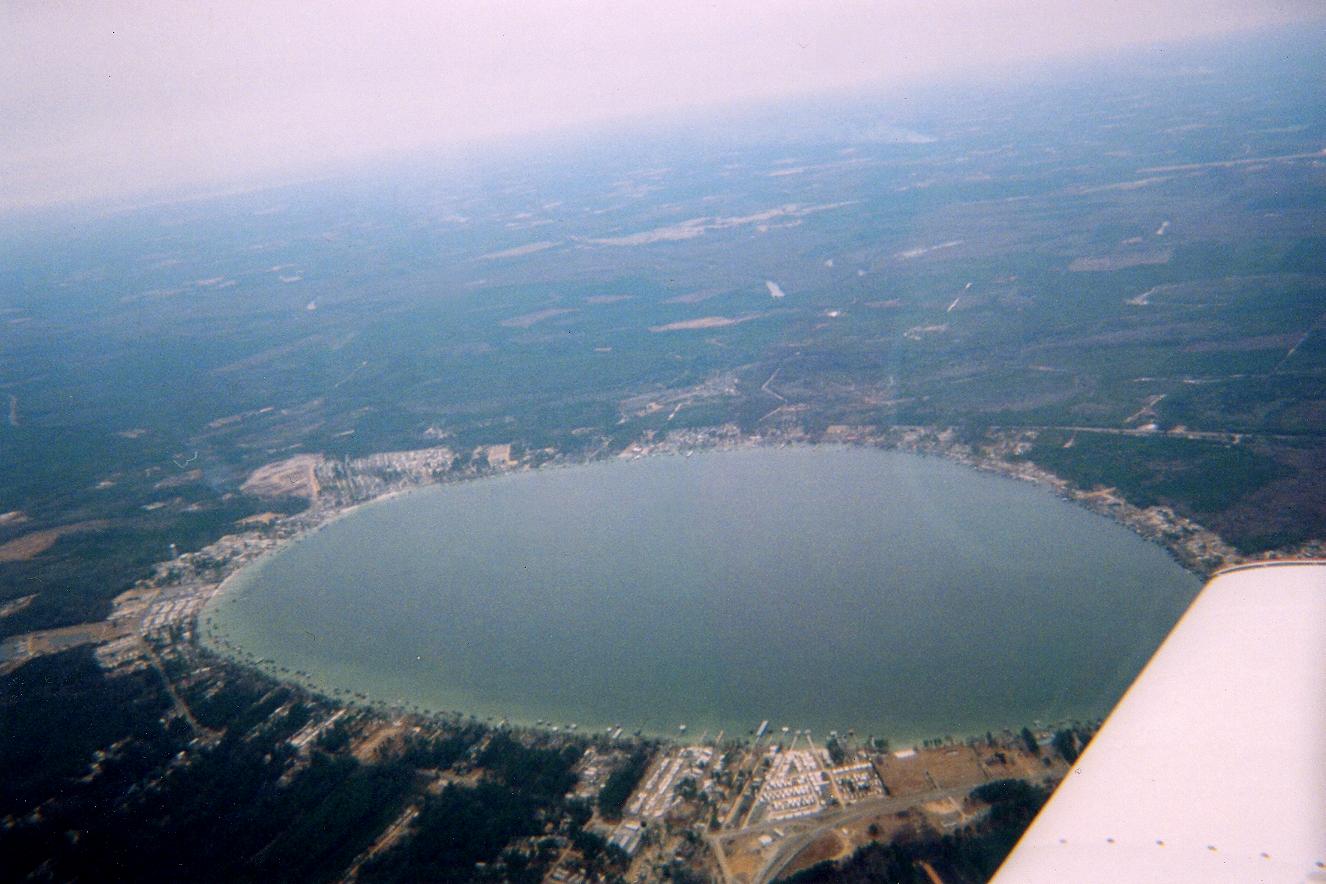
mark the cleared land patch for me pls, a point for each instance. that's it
(292, 476)
(35, 543)
(519, 250)
(526, 320)
(704, 322)
(1120, 262)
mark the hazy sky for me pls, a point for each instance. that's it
(107, 99)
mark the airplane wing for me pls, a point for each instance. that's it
(1213, 765)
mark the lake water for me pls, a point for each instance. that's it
(823, 588)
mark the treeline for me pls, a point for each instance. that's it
(56, 711)
(238, 703)
(461, 835)
(76, 579)
(225, 816)
(441, 752)
(544, 773)
(620, 784)
(157, 805)
(126, 791)
(1198, 476)
(457, 830)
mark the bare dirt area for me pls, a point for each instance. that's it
(928, 789)
(273, 354)
(34, 543)
(882, 827)
(528, 319)
(957, 765)
(903, 776)
(703, 322)
(52, 641)
(293, 476)
(499, 456)
(378, 740)
(1120, 262)
(186, 478)
(917, 332)
(694, 297)
(1245, 345)
(13, 606)
(746, 856)
(826, 847)
(260, 519)
(520, 251)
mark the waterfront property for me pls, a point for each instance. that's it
(824, 588)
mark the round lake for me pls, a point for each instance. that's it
(823, 588)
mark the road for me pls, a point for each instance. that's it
(800, 833)
(772, 392)
(1226, 436)
(388, 837)
(199, 729)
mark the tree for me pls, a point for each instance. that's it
(620, 785)
(1065, 743)
(334, 738)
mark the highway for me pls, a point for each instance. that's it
(800, 833)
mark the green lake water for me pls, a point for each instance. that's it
(822, 588)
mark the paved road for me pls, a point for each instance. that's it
(794, 844)
(800, 833)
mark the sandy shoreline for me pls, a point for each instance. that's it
(1148, 522)
(291, 530)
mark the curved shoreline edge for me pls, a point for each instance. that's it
(293, 529)
(1195, 548)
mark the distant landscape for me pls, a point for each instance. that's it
(1112, 284)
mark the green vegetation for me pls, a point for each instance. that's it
(458, 829)
(543, 773)
(221, 816)
(461, 834)
(418, 342)
(620, 784)
(440, 752)
(1065, 743)
(1008, 273)
(1199, 477)
(78, 576)
(56, 711)
(322, 840)
(1257, 496)
(150, 802)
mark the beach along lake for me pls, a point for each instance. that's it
(824, 588)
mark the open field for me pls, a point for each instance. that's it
(25, 546)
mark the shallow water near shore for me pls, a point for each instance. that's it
(823, 588)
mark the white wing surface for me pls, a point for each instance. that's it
(1213, 765)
